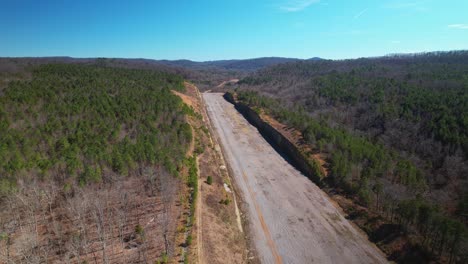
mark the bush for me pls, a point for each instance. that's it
(225, 201)
(139, 230)
(163, 259)
(7, 187)
(3, 236)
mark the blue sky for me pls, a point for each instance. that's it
(229, 29)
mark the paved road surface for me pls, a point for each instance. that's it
(291, 219)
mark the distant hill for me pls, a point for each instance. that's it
(205, 75)
(236, 65)
(244, 65)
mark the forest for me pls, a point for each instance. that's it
(86, 151)
(394, 130)
(91, 149)
(80, 123)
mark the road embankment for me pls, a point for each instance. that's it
(282, 144)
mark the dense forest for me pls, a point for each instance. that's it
(206, 74)
(88, 152)
(394, 130)
(76, 122)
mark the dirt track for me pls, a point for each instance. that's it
(291, 219)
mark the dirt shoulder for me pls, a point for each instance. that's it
(217, 234)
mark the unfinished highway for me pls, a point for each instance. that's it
(290, 219)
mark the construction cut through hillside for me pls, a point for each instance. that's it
(291, 220)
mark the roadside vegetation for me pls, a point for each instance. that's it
(192, 182)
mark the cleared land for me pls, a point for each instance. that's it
(217, 236)
(291, 219)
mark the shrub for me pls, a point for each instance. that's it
(139, 230)
(209, 180)
(7, 187)
(162, 260)
(225, 201)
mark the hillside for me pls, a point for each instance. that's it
(90, 160)
(21, 64)
(247, 65)
(394, 130)
(413, 105)
(176, 66)
(206, 74)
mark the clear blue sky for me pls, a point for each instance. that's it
(228, 29)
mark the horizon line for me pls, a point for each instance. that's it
(236, 59)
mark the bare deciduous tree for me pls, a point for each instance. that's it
(167, 188)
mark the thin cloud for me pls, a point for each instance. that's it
(396, 42)
(360, 13)
(458, 26)
(297, 5)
